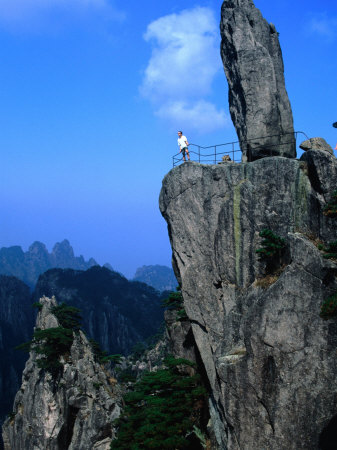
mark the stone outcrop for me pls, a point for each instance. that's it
(73, 411)
(258, 101)
(316, 144)
(270, 359)
(180, 337)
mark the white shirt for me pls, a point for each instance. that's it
(182, 141)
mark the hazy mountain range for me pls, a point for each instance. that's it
(160, 277)
(29, 265)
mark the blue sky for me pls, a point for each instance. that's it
(92, 93)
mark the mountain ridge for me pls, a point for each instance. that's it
(27, 266)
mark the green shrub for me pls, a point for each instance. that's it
(125, 375)
(37, 305)
(52, 343)
(181, 314)
(101, 356)
(272, 244)
(330, 250)
(68, 316)
(174, 300)
(161, 410)
(329, 307)
(330, 209)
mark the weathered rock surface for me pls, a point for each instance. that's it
(270, 359)
(258, 101)
(180, 338)
(74, 411)
(316, 144)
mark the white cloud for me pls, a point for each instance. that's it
(201, 116)
(185, 59)
(324, 26)
(34, 13)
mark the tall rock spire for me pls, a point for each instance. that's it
(258, 100)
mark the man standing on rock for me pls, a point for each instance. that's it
(183, 144)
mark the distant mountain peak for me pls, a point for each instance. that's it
(63, 249)
(160, 277)
(38, 247)
(27, 266)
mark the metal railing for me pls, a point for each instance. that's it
(213, 154)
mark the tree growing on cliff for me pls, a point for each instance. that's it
(175, 301)
(162, 409)
(51, 343)
(272, 250)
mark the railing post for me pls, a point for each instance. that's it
(199, 152)
(214, 154)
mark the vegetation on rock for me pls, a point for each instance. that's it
(162, 409)
(37, 305)
(102, 356)
(329, 307)
(68, 316)
(330, 209)
(175, 301)
(51, 343)
(330, 250)
(272, 244)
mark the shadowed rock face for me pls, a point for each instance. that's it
(16, 326)
(258, 101)
(269, 357)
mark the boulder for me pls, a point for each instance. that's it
(316, 143)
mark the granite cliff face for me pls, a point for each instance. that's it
(270, 359)
(72, 411)
(258, 101)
